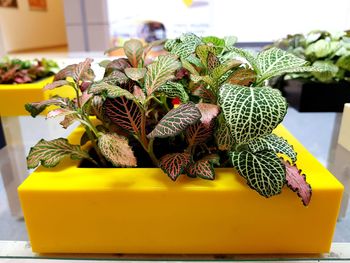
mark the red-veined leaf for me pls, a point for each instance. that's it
(208, 111)
(160, 71)
(176, 120)
(81, 71)
(119, 64)
(124, 113)
(203, 168)
(198, 133)
(35, 108)
(297, 182)
(50, 153)
(117, 150)
(65, 72)
(56, 84)
(133, 49)
(174, 164)
(85, 97)
(111, 91)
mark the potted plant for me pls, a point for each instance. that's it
(196, 114)
(21, 80)
(318, 91)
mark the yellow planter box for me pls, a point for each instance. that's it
(140, 210)
(13, 97)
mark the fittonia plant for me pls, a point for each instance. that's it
(225, 118)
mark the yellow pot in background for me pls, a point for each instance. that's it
(13, 97)
(140, 210)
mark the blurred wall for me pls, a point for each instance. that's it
(23, 28)
(269, 20)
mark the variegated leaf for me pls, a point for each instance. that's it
(199, 133)
(160, 72)
(297, 182)
(187, 65)
(245, 54)
(119, 64)
(35, 108)
(208, 111)
(83, 71)
(60, 112)
(274, 143)
(111, 91)
(117, 150)
(274, 62)
(135, 73)
(243, 77)
(116, 78)
(251, 112)
(212, 62)
(263, 171)
(174, 90)
(176, 121)
(133, 49)
(203, 168)
(56, 84)
(174, 164)
(50, 153)
(97, 107)
(223, 136)
(69, 120)
(204, 93)
(203, 52)
(184, 46)
(65, 72)
(139, 94)
(220, 70)
(124, 113)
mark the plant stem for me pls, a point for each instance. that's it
(151, 153)
(93, 142)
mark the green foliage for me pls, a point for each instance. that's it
(50, 153)
(321, 49)
(205, 101)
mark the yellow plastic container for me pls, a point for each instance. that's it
(124, 210)
(13, 97)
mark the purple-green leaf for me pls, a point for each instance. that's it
(50, 153)
(176, 121)
(133, 49)
(174, 164)
(81, 71)
(56, 84)
(297, 182)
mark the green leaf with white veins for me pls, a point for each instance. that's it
(50, 153)
(274, 143)
(110, 90)
(174, 90)
(263, 171)
(251, 112)
(274, 62)
(160, 72)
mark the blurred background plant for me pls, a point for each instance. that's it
(25, 71)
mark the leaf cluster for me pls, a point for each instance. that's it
(224, 117)
(321, 49)
(25, 71)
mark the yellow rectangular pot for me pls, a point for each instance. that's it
(13, 97)
(140, 210)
